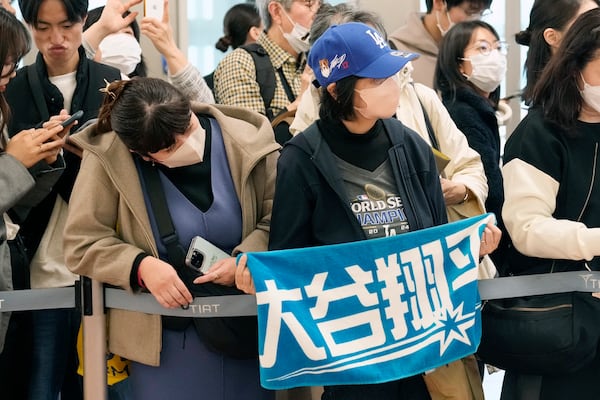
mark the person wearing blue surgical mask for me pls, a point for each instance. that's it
(470, 67)
(423, 33)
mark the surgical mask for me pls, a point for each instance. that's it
(298, 37)
(439, 26)
(190, 152)
(381, 101)
(591, 95)
(488, 70)
(122, 51)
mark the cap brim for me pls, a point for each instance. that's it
(387, 65)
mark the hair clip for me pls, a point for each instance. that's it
(106, 90)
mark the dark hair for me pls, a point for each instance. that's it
(328, 15)
(237, 22)
(484, 4)
(94, 15)
(146, 113)
(342, 106)
(15, 43)
(557, 91)
(76, 10)
(448, 78)
(544, 14)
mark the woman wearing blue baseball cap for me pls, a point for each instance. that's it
(354, 155)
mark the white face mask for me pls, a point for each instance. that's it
(591, 95)
(190, 152)
(488, 70)
(298, 37)
(381, 101)
(439, 26)
(122, 51)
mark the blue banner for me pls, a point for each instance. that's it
(370, 311)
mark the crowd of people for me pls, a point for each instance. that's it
(80, 200)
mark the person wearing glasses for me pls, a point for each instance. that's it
(470, 66)
(423, 33)
(285, 41)
(30, 164)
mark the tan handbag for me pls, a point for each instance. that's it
(459, 380)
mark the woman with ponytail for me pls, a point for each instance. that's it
(548, 22)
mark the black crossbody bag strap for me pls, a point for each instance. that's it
(164, 223)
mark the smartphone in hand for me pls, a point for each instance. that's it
(72, 118)
(202, 254)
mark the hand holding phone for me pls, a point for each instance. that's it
(66, 122)
(72, 118)
(202, 254)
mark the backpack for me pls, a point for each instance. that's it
(265, 77)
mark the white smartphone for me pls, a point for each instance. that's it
(202, 254)
(154, 9)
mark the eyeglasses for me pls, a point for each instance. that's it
(485, 47)
(476, 13)
(10, 67)
(312, 5)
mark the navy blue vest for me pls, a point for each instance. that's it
(221, 224)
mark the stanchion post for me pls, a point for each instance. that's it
(94, 339)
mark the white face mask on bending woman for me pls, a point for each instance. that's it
(122, 51)
(190, 152)
(488, 70)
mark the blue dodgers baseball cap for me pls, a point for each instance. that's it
(357, 49)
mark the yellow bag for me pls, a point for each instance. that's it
(117, 367)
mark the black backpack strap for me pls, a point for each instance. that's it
(265, 74)
(286, 86)
(164, 223)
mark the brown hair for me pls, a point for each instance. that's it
(15, 43)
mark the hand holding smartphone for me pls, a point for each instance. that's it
(75, 117)
(202, 254)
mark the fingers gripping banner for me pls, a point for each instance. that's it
(370, 311)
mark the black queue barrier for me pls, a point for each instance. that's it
(93, 299)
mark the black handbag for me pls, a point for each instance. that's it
(550, 334)
(236, 337)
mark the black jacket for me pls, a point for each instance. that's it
(476, 118)
(33, 99)
(310, 206)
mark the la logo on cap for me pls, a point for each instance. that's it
(379, 41)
